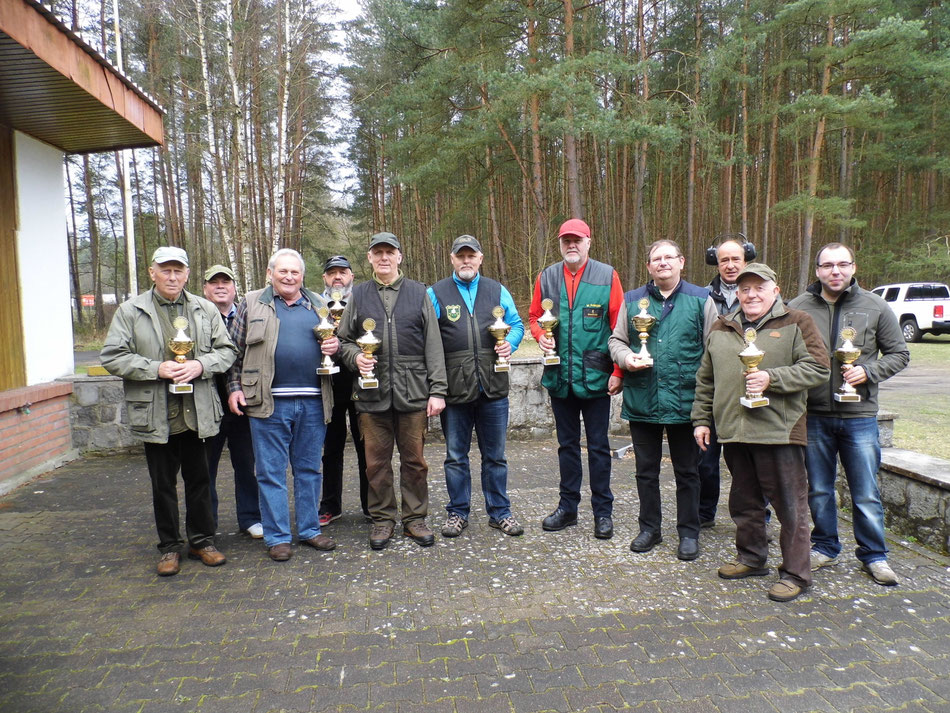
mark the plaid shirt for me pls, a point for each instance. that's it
(238, 334)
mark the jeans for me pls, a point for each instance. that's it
(567, 420)
(236, 432)
(382, 431)
(856, 441)
(709, 478)
(331, 501)
(294, 433)
(489, 417)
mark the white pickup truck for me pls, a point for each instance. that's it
(921, 307)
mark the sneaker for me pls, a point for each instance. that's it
(508, 525)
(256, 531)
(820, 559)
(326, 518)
(785, 590)
(454, 525)
(881, 573)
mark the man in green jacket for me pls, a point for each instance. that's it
(174, 426)
(764, 446)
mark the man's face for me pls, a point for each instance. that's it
(220, 290)
(385, 260)
(731, 259)
(169, 278)
(338, 278)
(286, 277)
(466, 263)
(574, 249)
(665, 265)
(835, 269)
(756, 296)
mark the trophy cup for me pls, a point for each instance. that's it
(548, 322)
(751, 356)
(336, 306)
(644, 322)
(325, 329)
(847, 353)
(499, 330)
(369, 343)
(180, 345)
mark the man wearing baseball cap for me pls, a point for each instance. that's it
(172, 425)
(763, 444)
(586, 297)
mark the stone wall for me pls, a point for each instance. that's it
(97, 414)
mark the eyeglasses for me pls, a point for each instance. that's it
(832, 265)
(664, 258)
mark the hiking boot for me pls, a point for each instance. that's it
(420, 532)
(454, 525)
(380, 535)
(508, 525)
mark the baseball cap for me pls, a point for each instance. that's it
(218, 270)
(759, 269)
(466, 241)
(170, 254)
(574, 226)
(337, 261)
(385, 239)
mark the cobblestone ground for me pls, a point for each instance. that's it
(545, 622)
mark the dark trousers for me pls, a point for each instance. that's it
(774, 474)
(648, 449)
(236, 433)
(567, 420)
(709, 477)
(382, 431)
(185, 452)
(331, 501)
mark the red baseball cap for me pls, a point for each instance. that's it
(574, 226)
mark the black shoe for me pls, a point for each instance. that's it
(603, 528)
(558, 520)
(645, 541)
(688, 549)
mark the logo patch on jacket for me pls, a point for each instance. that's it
(775, 334)
(594, 311)
(453, 312)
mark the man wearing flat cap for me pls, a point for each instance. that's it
(763, 443)
(172, 420)
(410, 370)
(586, 297)
(220, 288)
(477, 398)
(338, 279)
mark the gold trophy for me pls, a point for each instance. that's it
(847, 353)
(336, 306)
(548, 322)
(325, 329)
(499, 330)
(180, 345)
(751, 356)
(644, 322)
(369, 343)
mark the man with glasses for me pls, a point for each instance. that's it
(843, 427)
(658, 397)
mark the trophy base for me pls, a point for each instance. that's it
(848, 398)
(754, 403)
(368, 383)
(551, 360)
(502, 367)
(644, 362)
(328, 370)
(180, 388)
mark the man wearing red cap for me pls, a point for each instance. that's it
(587, 297)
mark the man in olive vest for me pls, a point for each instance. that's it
(409, 369)
(478, 393)
(586, 297)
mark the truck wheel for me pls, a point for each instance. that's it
(911, 330)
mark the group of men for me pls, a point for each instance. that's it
(670, 347)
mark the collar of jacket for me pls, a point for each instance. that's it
(815, 289)
(734, 319)
(267, 296)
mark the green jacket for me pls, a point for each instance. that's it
(883, 349)
(134, 349)
(795, 359)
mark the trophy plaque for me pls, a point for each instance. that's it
(499, 330)
(369, 343)
(336, 305)
(644, 322)
(180, 345)
(751, 356)
(847, 353)
(325, 329)
(548, 322)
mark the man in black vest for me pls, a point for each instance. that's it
(478, 394)
(410, 369)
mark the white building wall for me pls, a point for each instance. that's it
(43, 260)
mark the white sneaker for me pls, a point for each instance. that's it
(820, 559)
(881, 573)
(256, 531)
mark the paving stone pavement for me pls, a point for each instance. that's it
(481, 623)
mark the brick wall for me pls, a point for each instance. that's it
(34, 429)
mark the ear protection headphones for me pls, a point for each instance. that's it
(748, 249)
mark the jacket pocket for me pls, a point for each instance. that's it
(251, 386)
(597, 370)
(412, 380)
(140, 410)
(593, 319)
(255, 331)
